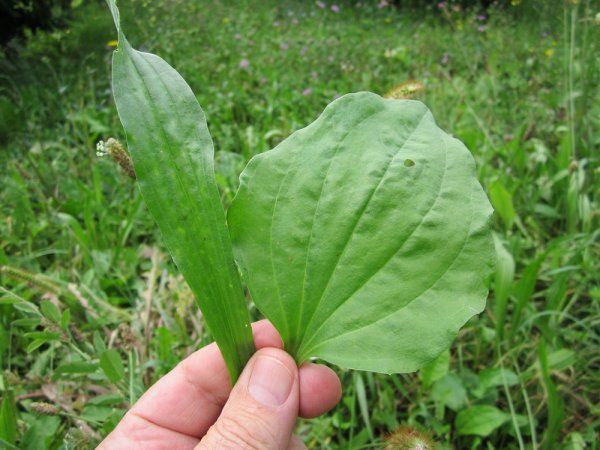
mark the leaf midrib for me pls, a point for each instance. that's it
(358, 219)
(381, 266)
(179, 178)
(420, 294)
(302, 330)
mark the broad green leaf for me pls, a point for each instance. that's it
(111, 365)
(480, 420)
(172, 153)
(364, 237)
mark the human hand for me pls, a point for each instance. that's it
(194, 406)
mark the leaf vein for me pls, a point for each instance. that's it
(359, 217)
(420, 294)
(381, 266)
(301, 330)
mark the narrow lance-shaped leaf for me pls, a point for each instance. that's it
(365, 236)
(172, 153)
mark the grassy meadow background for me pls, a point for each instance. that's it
(93, 311)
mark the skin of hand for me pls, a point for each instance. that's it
(194, 406)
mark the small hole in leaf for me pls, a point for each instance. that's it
(409, 162)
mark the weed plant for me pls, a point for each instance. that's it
(92, 310)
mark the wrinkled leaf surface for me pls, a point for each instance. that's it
(364, 237)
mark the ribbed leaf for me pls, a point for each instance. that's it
(172, 153)
(364, 237)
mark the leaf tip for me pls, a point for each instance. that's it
(114, 10)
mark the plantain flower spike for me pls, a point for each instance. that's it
(116, 151)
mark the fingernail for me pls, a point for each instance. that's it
(270, 381)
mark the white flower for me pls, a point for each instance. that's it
(101, 149)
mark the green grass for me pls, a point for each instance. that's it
(522, 93)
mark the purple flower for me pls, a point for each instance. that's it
(320, 4)
(244, 63)
(335, 8)
(307, 91)
(481, 28)
(283, 46)
(441, 5)
(382, 4)
(481, 17)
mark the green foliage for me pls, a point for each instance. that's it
(333, 173)
(523, 96)
(172, 153)
(8, 418)
(367, 229)
(480, 420)
(111, 365)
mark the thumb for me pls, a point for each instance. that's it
(262, 407)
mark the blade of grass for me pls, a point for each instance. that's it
(363, 404)
(555, 405)
(530, 417)
(511, 405)
(524, 291)
(505, 273)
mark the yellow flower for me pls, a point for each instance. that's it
(515, 2)
(225, 20)
(112, 43)
(549, 52)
